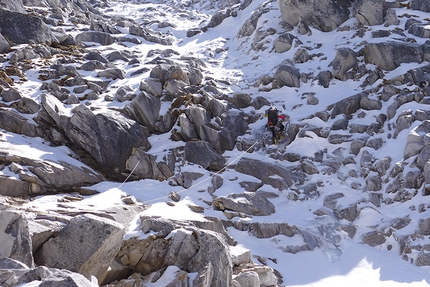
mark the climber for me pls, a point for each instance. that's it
(274, 122)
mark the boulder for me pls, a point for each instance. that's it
(373, 238)
(278, 176)
(15, 240)
(21, 28)
(101, 38)
(248, 203)
(344, 61)
(4, 45)
(87, 245)
(324, 15)
(203, 154)
(389, 55)
(284, 43)
(250, 25)
(145, 165)
(369, 12)
(287, 75)
(421, 5)
(150, 35)
(144, 109)
(108, 136)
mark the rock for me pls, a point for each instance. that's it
(322, 15)
(247, 203)
(15, 237)
(423, 259)
(250, 25)
(389, 55)
(309, 167)
(287, 75)
(278, 176)
(344, 61)
(151, 36)
(14, 122)
(373, 182)
(203, 154)
(87, 245)
(369, 12)
(26, 29)
(284, 43)
(4, 45)
(248, 278)
(95, 133)
(113, 73)
(373, 238)
(101, 38)
(421, 5)
(144, 109)
(347, 106)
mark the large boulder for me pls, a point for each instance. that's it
(87, 245)
(108, 136)
(325, 15)
(276, 175)
(189, 248)
(344, 61)
(25, 29)
(389, 55)
(369, 12)
(202, 153)
(287, 75)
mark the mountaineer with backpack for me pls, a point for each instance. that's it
(273, 122)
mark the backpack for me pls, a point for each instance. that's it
(272, 116)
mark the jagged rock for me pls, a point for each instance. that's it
(26, 29)
(190, 249)
(26, 106)
(13, 122)
(98, 241)
(247, 203)
(373, 238)
(369, 12)
(250, 24)
(15, 237)
(145, 165)
(95, 133)
(389, 55)
(151, 86)
(224, 138)
(144, 108)
(202, 153)
(275, 175)
(322, 15)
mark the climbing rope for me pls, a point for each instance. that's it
(200, 182)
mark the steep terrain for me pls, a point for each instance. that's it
(136, 130)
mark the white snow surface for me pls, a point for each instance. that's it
(351, 263)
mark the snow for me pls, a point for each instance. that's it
(351, 263)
